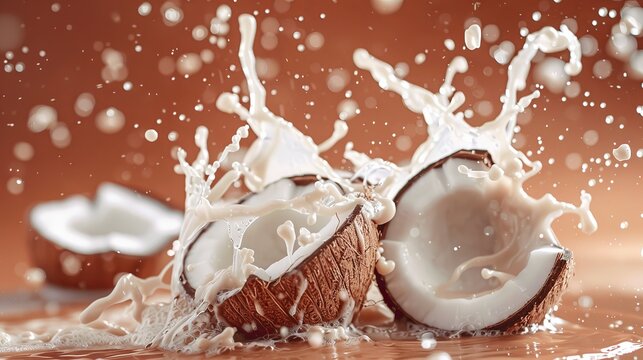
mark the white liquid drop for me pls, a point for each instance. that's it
(427, 341)
(151, 135)
(585, 301)
(449, 44)
(41, 118)
(144, 9)
(602, 69)
(472, 37)
(23, 151)
(386, 7)
(420, 58)
(188, 64)
(623, 152)
(15, 186)
(590, 137)
(84, 104)
(110, 120)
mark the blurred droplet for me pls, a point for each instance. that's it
(60, 136)
(151, 135)
(84, 104)
(110, 120)
(337, 80)
(386, 7)
(42, 117)
(15, 186)
(23, 151)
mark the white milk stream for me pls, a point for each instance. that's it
(448, 133)
(158, 313)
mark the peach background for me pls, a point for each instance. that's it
(72, 65)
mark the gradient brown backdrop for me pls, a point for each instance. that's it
(72, 65)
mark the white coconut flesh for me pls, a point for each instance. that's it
(118, 220)
(213, 248)
(445, 219)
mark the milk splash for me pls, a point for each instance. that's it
(281, 149)
(191, 324)
(157, 313)
(449, 133)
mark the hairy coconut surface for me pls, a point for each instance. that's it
(328, 285)
(523, 313)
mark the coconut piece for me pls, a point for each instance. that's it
(81, 243)
(322, 282)
(445, 219)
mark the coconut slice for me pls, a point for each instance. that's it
(445, 219)
(82, 243)
(323, 281)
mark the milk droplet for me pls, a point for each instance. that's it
(60, 136)
(71, 265)
(315, 337)
(439, 355)
(590, 137)
(551, 73)
(490, 33)
(188, 64)
(636, 63)
(386, 7)
(172, 15)
(622, 153)
(588, 45)
(15, 186)
(503, 53)
(420, 58)
(624, 225)
(585, 301)
(41, 118)
(401, 69)
(536, 16)
(110, 120)
(403, 143)
(23, 151)
(199, 32)
(35, 276)
(472, 37)
(84, 104)
(151, 135)
(144, 9)
(315, 41)
(337, 80)
(224, 12)
(384, 267)
(347, 109)
(449, 44)
(427, 341)
(602, 69)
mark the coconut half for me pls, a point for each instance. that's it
(512, 268)
(322, 282)
(85, 243)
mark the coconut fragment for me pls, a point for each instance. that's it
(84, 243)
(484, 258)
(320, 280)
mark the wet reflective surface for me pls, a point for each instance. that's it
(612, 326)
